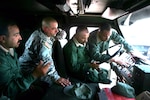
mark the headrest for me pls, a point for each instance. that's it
(61, 34)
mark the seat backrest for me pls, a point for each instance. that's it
(58, 55)
(58, 58)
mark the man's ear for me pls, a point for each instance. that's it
(2, 38)
(44, 28)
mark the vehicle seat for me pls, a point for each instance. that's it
(58, 55)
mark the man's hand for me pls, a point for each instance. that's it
(120, 61)
(64, 82)
(41, 70)
(95, 65)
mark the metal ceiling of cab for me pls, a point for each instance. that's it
(96, 6)
(82, 7)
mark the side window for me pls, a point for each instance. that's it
(135, 29)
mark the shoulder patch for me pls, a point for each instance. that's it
(47, 45)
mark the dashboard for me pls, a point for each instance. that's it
(137, 74)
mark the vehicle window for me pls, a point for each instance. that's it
(73, 30)
(135, 29)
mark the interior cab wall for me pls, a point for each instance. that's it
(92, 21)
(29, 22)
(32, 21)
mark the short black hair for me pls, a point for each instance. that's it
(4, 26)
(81, 28)
(104, 26)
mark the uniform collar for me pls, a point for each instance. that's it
(11, 50)
(97, 38)
(78, 44)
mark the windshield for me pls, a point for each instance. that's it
(135, 29)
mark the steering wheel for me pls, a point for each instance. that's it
(110, 56)
(115, 53)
